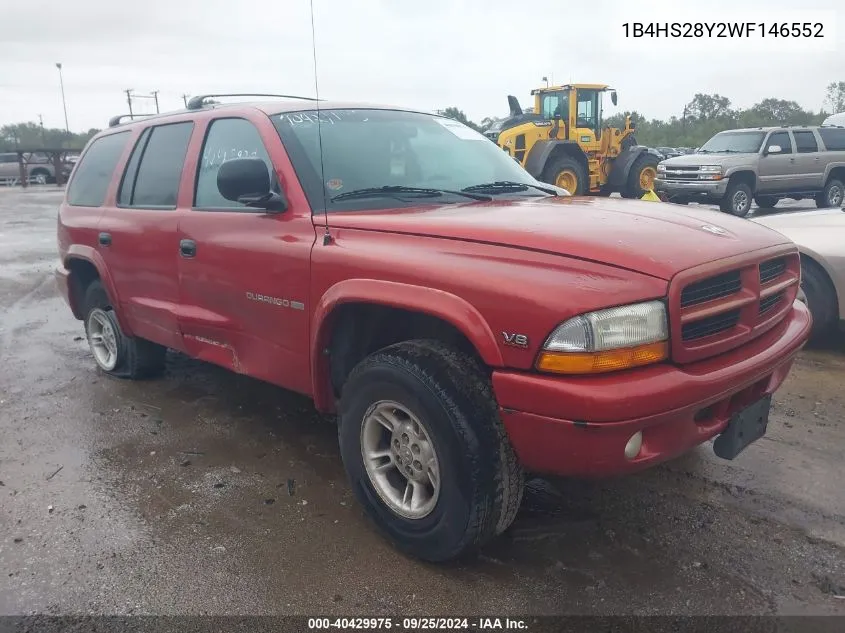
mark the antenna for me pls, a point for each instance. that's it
(327, 238)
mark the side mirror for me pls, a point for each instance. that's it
(613, 97)
(774, 149)
(247, 180)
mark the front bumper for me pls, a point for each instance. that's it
(580, 426)
(692, 189)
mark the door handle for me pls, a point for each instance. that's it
(187, 248)
(104, 239)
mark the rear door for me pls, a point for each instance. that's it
(777, 171)
(138, 235)
(244, 272)
(810, 167)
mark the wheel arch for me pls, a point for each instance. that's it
(621, 166)
(835, 170)
(85, 265)
(745, 176)
(543, 152)
(358, 316)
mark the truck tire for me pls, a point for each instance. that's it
(567, 172)
(425, 450)
(832, 195)
(641, 177)
(737, 200)
(40, 176)
(821, 298)
(114, 352)
(766, 202)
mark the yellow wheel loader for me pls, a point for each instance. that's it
(562, 142)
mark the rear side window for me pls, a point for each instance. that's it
(94, 172)
(833, 138)
(782, 139)
(152, 176)
(806, 142)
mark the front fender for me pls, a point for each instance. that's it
(622, 165)
(437, 303)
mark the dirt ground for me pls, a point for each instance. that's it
(204, 492)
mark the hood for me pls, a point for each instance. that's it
(655, 238)
(821, 220)
(692, 160)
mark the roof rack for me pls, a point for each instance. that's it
(198, 102)
(116, 120)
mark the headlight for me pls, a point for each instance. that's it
(661, 167)
(713, 169)
(608, 340)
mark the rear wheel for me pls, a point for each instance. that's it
(426, 452)
(737, 200)
(641, 177)
(40, 176)
(115, 352)
(832, 195)
(568, 173)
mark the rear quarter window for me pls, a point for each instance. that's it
(96, 169)
(833, 139)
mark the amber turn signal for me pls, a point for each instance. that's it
(600, 362)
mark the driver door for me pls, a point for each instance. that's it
(777, 172)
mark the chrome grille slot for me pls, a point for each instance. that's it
(772, 269)
(710, 325)
(711, 288)
(770, 302)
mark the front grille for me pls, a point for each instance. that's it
(712, 312)
(772, 269)
(709, 326)
(770, 302)
(711, 288)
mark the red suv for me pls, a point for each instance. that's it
(467, 323)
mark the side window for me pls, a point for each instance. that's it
(833, 138)
(226, 139)
(551, 105)
(94, 172)
(157, 168)
(127, 183)
(805, 142)
(782, 139)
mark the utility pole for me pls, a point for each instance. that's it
(128, 92)
(64, 103)
(185, 99)
(41, 123)
(155, 96)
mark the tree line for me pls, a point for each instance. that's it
(704, 116)
(31, 135)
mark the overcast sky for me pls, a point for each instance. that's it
(426, 54)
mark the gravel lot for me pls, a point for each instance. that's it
(207, 492)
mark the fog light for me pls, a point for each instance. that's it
(632, 448)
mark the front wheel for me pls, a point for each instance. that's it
(737, 200)
(426, 452)
(641, 177)
(567, 173)
(820, 296)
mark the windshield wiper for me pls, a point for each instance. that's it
(393, 190)
(506, 186)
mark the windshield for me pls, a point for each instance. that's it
(734, 142)
(369, 148)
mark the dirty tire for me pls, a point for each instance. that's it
(766, 202)
(821, 298)
(137, 358)
(737, 200)
(632, 188)
(563, 168)
(832, 195)
(481, 479)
